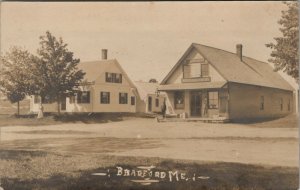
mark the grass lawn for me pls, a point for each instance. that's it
(52, 119)
(46, 170)
(290, 121)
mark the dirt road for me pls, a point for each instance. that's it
(239, 143)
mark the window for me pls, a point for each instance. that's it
(132, 100)
(46, 99)
(179, 100)
(204, 70)
(118, 78)
(262, 103)
(36, 99)
(213, 100)
(113, 77)
(72, 99)
(104, 97)
(191, 70)
(195, 68)
(123, 98)
(289, 105)
(157, 102)
(281, 104)
(83, 97)
(108, 77)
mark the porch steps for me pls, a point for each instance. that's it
(204, 120)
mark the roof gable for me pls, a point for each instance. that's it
(146, 88)
(232, 69)
(96, 69)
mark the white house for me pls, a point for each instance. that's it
(107, 89)
(150, 100)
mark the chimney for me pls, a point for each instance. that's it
(104, 54)
(239, 51)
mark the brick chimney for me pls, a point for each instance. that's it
(239, 51)
(104, 54)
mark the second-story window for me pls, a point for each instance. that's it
(204, 70)
(113, 77)
(195, 68)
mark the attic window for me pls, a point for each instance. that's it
(113, 77)
(195, 68)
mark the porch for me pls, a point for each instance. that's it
(196, 102)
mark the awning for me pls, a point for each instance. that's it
(191, 86)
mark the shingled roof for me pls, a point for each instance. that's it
(228, 64)
(95, 69)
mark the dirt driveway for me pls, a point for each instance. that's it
(241, 143)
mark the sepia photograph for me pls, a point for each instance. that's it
(149, 95)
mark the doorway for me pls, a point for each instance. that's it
(150, 104)
(196, 104)
(63, 103)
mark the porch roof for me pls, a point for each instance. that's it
(191, 86)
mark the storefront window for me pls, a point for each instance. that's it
(213, 100)
(179, 100)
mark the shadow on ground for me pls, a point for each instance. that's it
(82, 145)
(54, 119)
(290, 121)
(20, 154)
(223, 176)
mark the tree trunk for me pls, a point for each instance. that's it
(58, 104)
(18, 114)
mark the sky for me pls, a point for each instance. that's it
(147, 38)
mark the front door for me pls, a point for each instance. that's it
(63, 104)
(150, 104)
(196, 104)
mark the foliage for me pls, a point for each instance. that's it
(15, 82)
(55, 73)
(285, 52)
(153, 80)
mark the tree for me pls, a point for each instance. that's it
(153, 80)
(55, 73)
(285, 54)
(15, 82)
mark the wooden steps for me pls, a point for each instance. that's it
(204, 120)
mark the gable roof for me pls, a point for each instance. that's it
(146, 88)
(94, 69)
(232, 69)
